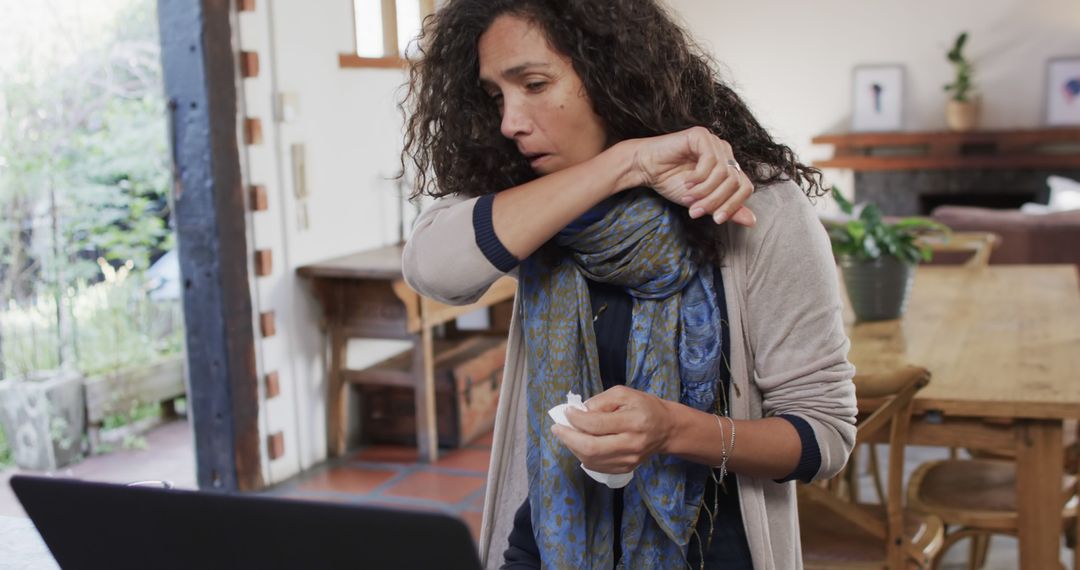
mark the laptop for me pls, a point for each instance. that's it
(101, 525)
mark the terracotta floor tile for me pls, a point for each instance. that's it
(388, 454)
(345, 479)
(466, 459)
(436, 486)
(472, 519)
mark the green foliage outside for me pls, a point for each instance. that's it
(961, 86)
(868, 237)
(84, 176)
(84, 189)
(113, 324)
(136, 413)
(83, 159)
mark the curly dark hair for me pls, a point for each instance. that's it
(642, 73)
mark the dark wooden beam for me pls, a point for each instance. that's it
(200, 84)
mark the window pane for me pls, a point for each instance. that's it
(369, 28)
(408, 24)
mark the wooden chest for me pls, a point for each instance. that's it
(468, 374)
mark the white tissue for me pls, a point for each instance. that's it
(558, 414)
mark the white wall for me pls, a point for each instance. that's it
(350, 125)
(791, 61)
(351, 130)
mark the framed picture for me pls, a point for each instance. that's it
(1063, 91)
(877, 98)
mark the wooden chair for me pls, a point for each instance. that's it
(978, 497)
(840, 533)
(978, 244)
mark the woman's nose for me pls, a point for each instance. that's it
(515, 121)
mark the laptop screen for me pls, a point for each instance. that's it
(99, 525)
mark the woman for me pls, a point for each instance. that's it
(588, 149)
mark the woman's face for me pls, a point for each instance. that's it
(544, 107)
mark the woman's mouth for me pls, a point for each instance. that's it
(535, 158)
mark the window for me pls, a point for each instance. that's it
(384, 30)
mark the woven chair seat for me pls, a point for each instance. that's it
(979, 493)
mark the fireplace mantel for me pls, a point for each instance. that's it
(908, 173)
(1034, 149)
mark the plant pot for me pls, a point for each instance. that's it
(878, 289)
(44, 418)
(962, 115)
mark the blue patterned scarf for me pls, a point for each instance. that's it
(674, 353)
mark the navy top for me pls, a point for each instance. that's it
(612, 313)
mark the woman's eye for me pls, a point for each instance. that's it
(535, 85)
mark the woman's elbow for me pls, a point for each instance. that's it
(438, 277)
(835, 454)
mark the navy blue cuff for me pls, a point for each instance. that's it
(486, 240)
(810, 460)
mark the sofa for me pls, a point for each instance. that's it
(1025, 238)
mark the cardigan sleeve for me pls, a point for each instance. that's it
(453, 254)
(810, 458)
(797, 332)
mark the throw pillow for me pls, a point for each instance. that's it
(1064, 196)
(1064, 193)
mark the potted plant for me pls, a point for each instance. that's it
(962, 109)
(877, 257)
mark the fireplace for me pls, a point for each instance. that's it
(918, 192)
(906, 193)
(995, 200)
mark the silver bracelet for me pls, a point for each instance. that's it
(725, 450)
(731, 449)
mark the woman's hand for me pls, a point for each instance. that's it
(696, 169)
(622, 429)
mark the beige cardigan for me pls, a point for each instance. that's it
(788, 353)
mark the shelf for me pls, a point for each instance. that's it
(351, 60)
(1013, 137)
(397, 370)
(984, 150)
(1006, 162)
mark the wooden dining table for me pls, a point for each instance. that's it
(1003, 346)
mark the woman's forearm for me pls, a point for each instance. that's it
(767, 448)
(527, 216)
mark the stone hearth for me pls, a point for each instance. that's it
(917, 192)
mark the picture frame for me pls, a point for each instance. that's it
(877, 97)
(1062, 96)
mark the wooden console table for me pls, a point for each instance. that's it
(364, 295)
